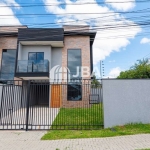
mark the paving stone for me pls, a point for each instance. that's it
(22, 140)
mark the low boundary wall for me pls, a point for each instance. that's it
(126, 101)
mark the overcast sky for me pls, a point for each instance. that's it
(122, 28)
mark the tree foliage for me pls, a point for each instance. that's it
(140, 70)
(95, 82)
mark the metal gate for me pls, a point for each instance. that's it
(13, 97)
(38, 105)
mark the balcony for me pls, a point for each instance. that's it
(32, 68)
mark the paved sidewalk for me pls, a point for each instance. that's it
(21, 140)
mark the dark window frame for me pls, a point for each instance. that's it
(35, 57)
(68, 87)
(5, 50)
(80, 62)
(76, 83)
(36, 54)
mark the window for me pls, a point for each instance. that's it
(74, 92)
(36, 56)
(8, 64)
(74, 61)
(74, 84)
(36, 61)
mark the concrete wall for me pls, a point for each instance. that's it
(126, 101)
(56, 58)
(19, 51)
(56, 61)
(96, 94)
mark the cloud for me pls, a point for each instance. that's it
(123, 5)
(113, 30)
(145, 41)
(10, 3)
(8, 20)
(114, 72)
(112, 61)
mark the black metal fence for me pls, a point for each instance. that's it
(37, 105)
(13, 108)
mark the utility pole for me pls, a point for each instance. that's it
(101, 71)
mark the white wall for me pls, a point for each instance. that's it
(126, 101)
(56, 61)
(19, 51)
(24, 50)
(56, 57)
(27, 49)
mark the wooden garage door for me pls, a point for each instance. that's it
(55, 96)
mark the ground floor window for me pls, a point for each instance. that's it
(74, 64)
(74, 92)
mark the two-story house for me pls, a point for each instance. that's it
(50, 56)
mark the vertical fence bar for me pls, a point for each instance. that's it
(31, 108)
(1, 106)
(27, 106)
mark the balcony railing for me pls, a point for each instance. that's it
(30, 66)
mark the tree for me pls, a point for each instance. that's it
(140, 70)
(95, 82)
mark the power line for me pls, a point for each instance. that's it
(73, 3)
(45, 15)
(116, 22)
(101, 38)
(146, 55)
(73, 34)
(118, 26)
(89, 19)
(122, 19)
(85, 1)
(138, 11)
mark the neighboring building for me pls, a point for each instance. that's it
(50, 54)
(8, 48)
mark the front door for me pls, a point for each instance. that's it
(55, 96)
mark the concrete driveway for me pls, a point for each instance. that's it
(39, 118)
(21, 140)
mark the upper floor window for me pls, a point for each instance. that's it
(36, 62)
(36, 56)
(8, 64)
(74, 63)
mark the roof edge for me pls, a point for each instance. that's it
(91, 34)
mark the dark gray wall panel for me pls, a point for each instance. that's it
(35, 34)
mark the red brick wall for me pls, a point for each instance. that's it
(83, 43)
(7, 43)
(76, 28)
